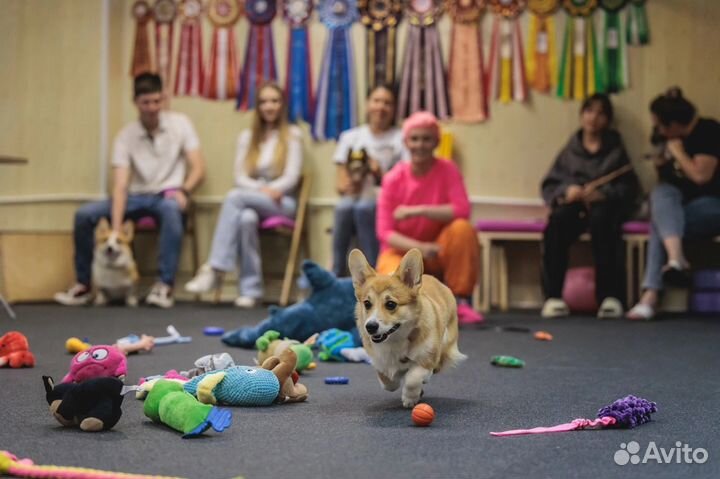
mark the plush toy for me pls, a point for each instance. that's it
(97, 362)
(143, 343)
(168, 404)
(210, 362)
(283, 366)
(249, 386)
(15, 351)
(270, 344)
(93, 405)
(331, 305)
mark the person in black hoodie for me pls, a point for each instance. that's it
(686, 201)
(577, 206)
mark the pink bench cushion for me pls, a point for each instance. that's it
(538, 226)
(146, 223)
(277, 222)
(636, 228)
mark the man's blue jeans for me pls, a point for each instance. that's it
(166, 213)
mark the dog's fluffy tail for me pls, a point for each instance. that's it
(451, 358)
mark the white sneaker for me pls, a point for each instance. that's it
(77, 295)
(160, 296)
(246, 302)
(554, 308)
(205, 280)
(611, 308)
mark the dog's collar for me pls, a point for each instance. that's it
(379, 338)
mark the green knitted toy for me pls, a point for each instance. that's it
(169, 404)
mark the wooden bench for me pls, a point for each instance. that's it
(494, 234)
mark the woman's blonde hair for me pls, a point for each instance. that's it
(259, 128)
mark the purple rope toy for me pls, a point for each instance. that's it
(625, 413)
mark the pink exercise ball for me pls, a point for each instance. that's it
(579, 290)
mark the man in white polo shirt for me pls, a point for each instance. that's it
(156, 163)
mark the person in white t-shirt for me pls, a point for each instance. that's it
(268, 165)
(157, 163)
(355, 211)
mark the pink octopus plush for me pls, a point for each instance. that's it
(97, 362)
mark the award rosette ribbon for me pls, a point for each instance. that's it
(190, 69)
(381, 18)
(298, 81)
(164, 13)
(541, 59)
(580, 70)
(614, 54)
(423, 83)
(638, 28)
(221, 74)
(141, 60)
(335, 109)
(508, 81)
(259, 65)
(466, 73)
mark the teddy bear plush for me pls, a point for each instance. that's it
(270, 344)
(331, 305)
(92, 406)
(15, 351)
(283, 366)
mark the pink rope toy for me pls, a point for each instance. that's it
(10, 464)
(625, 413)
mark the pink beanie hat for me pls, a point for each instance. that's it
(421, 119)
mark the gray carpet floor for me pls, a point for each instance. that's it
(361, 431)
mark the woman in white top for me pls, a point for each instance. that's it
(268, 165)
(355, 212)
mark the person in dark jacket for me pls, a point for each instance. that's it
(578, 206)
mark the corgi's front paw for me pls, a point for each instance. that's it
(132, 301)
(387, 383)
(410, 400)
(100, 299)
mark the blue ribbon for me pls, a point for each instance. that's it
(299, 96)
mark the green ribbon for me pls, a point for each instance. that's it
(614, 54)
(637, 28)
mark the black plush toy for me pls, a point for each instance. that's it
(93, 405)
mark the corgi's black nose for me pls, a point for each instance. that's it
(372, 327)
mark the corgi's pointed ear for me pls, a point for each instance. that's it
(103, 229)
(128, 230)
(410, 270)
(360, 270)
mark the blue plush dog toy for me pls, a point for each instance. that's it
(331, 305)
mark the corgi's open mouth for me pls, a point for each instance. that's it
(379, 338)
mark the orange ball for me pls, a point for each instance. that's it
(423, 414)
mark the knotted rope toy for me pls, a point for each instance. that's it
(624, 413)
(11, 465)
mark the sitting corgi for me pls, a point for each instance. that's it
(114, 272)
(407, 321)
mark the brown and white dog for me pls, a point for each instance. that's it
(114, 272)
(407, 321)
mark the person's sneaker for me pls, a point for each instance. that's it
(160, 296)
(205, 280)
(246, 302)
(554, 308)
(77, 295)
(611, 308)
(467, 315)
(676, 274)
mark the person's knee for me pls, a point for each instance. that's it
(249, 218)
(664, 192)
(87, 215)
(344, 207)
(462, 227)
